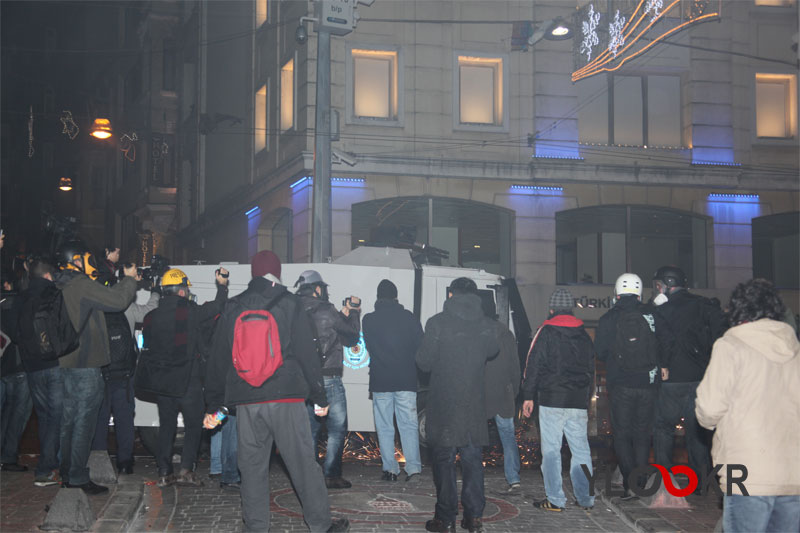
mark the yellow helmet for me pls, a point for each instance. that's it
(174, 277)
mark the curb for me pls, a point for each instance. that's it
(122, 508)
(637, 516)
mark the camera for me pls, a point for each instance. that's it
(347, 302)
(152, 274)
(301, 34)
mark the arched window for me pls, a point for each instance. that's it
(597, 244)
(474, 235)
(776, 249)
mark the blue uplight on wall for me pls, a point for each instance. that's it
(251, 211)
(546, 150)
(301, 181)
(732, 197)
(543, 190)
(335, 181)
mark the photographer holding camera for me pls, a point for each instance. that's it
(334, 329)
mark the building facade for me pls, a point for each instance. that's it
(451, 135)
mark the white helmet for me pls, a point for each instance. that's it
(628, 284)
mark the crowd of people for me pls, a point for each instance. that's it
(267, 364)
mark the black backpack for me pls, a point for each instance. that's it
(122, 348)
(45, 330)
(635, 345)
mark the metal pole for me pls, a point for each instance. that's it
(321, 230)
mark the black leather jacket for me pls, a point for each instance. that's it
(333, 330)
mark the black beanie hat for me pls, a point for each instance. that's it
(387, 290)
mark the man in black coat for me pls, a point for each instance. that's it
(275, 410)
(626, 341)
(392, 335)
(456, 345)
(691, 324)
(333, 329)
(171, 367)
(559, 377)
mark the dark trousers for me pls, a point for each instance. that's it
(229, 451)
(118, 401)
(47, 392)
(632, 422)
(14, 414)
(83, 394)
(444, 478)
(192, 405)
(676, 401)
(285, 424)
(335, 423)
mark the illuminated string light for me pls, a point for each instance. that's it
(590, 38)
(70, 129)
(30, 133)
(616, 38)
(127, 146)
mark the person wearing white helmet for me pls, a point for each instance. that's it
(627, 342)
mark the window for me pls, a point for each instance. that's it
(597, 244)
(168, 66)
(632, 110)
(480, 95)
(287, 95)
(261, 12)
(260, 119)
(776, 115)
(776, 249)
(375, 84)
(460, 232)
(775, 3)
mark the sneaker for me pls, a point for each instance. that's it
(412, 477)
(125, 468)
(13, 467)
(337, 483)
(166, 480)
(46, 480)
(187, 478)
(473, 525)
(514, 488)
(584, 507)
(339, 525)
(90, 488)
(234, 487)
(388, 476)
(628, 496)
(545, 505)
(440, 526)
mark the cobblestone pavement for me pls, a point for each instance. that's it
(371, 505)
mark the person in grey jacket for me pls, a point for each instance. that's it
(334, 329)
(86, 300)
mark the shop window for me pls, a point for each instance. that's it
(456, 232)
(287, 95)
(594, 245)
(775, 106)
(260, 119)
(480, 90)
(262, 12)
(776, 249)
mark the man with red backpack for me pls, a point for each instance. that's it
(264, 362)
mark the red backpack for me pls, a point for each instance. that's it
(256, 345)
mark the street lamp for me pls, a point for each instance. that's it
(558, 31)
(101, 128)
(65, 184)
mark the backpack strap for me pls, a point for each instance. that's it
(530, 351)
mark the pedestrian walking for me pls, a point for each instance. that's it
(392, 336)
(455, 347)
(559, 378)
(749, 395)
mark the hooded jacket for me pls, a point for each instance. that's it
(82, 296)
(456, 345)
(750, 395)
(392, 335)
(560, 367)
(333, 330)
(298, 378)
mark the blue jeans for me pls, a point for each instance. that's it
(403, 405)
(336, 422)
(47, 391)
(15, 399)
(444, 478)
(554, 424)
(511, 462)
(83, 394)
(761, 513)
(215, 466)
(228, 450)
